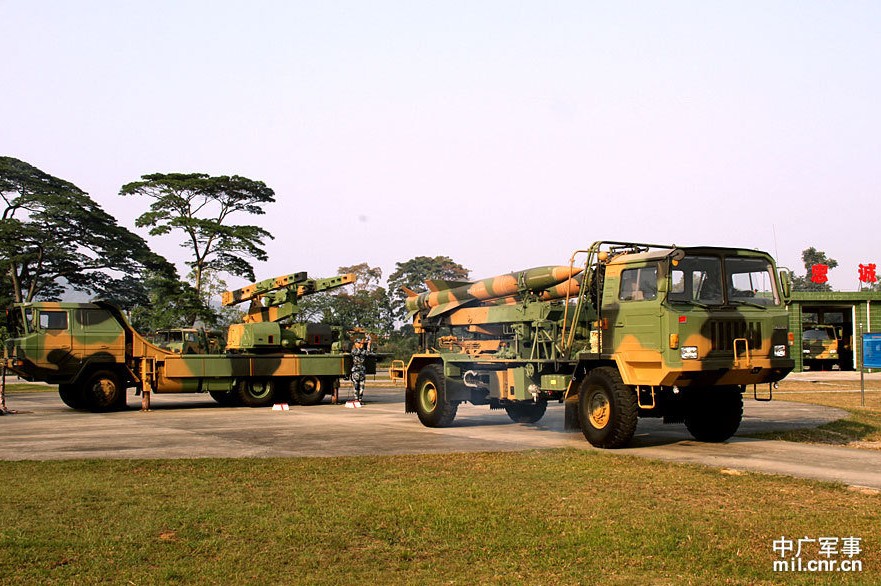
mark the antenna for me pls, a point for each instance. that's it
(776, 252)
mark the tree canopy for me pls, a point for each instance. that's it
(201, 206)
(811, 256)
(414, 272)
(53, 235)
(365, 305)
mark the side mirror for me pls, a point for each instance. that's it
(785, 285)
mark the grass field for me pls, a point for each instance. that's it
(550, 517)
(544, 517)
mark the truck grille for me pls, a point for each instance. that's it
(724, 332)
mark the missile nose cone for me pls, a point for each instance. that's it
(562, 273)
(544, 277)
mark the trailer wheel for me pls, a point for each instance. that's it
(257, 393)
(432, 406)
(714, 414)
(607, 409)
(72, 396)
(103, 392)
(309, 390)
(526, 412)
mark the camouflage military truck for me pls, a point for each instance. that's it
(92, 353)
(181, 340)
(821, 347)
(639, 330)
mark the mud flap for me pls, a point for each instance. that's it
(570, 416)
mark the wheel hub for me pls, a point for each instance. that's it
(105, 388)
(429, 394)
(599, 410)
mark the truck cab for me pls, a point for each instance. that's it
(58, 342)
(691, 317)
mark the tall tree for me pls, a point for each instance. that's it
(813, 257)
(201, 207)
(53, 235)
(414, 272)
(169, 303)
(365, 305)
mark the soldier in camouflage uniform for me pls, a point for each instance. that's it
(359, 356)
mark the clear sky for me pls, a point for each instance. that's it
(502, 134)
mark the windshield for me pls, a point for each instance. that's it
(818, 334)
(698, 278)
(707, 280)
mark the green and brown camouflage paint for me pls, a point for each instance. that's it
(69, 343)
(647, 312)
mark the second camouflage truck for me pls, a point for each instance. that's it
(92, 353)
(638, 330)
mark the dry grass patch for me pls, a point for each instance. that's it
(862, 429)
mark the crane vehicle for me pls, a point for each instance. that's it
(93, 354)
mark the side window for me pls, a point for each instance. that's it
(98, 321)
(639, 284)
(53, 320)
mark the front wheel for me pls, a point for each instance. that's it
(255, 393)
(72, 396)
(607, 409)
(714, 414)
(103, 392)
(432, 406)
(526, 412)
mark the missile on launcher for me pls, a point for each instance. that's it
(445, 296)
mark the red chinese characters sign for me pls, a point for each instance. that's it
(867, 273)
(819, 273)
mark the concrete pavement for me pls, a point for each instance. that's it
(193, 426)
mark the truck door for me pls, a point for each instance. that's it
(631, 312)
(53, 339)
(99, 337)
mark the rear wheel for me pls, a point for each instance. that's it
(526, 412)
(103, 392)
(432, 406)
(308, 390)
(714, 414)
(257, 393)
(607, 409)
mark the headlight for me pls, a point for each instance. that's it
(688, 352)
(780, 351)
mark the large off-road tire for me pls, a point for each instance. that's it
(309, 390)
(72, 396)
(103, 391)
(225, 398)
(255, 393)
(526, 412)
(607, 409)
(714, 413)
(432, 406)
